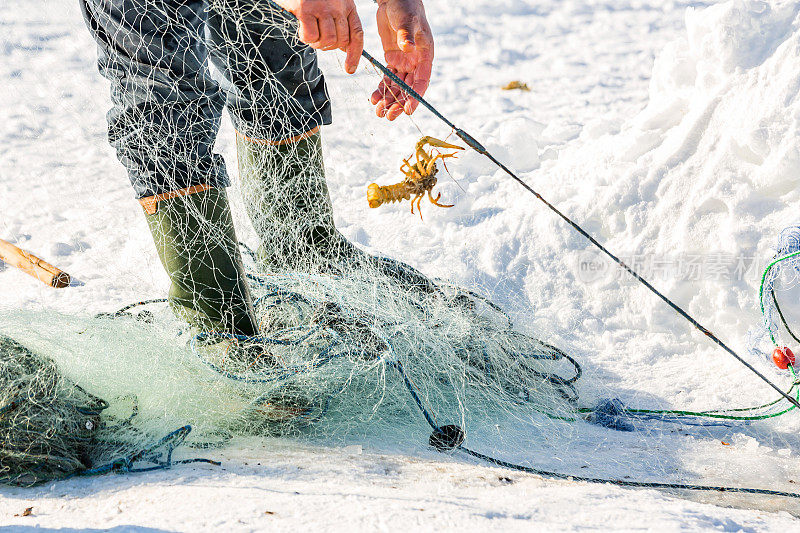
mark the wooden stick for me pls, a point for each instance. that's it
(30, 264)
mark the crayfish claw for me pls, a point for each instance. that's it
(433, 141)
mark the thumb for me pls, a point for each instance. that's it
(405, 40)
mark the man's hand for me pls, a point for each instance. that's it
(328, 25)
(408, 45)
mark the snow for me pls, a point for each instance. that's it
(669, 129)
(274, 486)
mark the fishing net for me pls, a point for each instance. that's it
(48, 423)
(348, 348)
(778, 291)
(51, 428)
(344, 367)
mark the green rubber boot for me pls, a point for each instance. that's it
(197, 245)
(287, 199)
(286, 196)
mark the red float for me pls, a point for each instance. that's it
(783, 357)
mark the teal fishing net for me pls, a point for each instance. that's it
(47, 423)
(341, 358)
(51, 428)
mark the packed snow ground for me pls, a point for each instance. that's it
(670, 129)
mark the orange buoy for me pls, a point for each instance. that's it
(783, 357)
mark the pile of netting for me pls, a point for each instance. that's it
(340, 359)
(362, 355)
(51, 428)
(395, 349)
(47, 423)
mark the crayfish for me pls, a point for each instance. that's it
(420, 177)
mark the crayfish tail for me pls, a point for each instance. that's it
(378, 195)
(375, 196)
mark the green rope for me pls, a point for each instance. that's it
(780, 314)
(720, 414)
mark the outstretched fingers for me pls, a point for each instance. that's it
(356, 44)
(408, 47)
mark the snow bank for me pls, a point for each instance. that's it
(716, 150)
(710, 167)
(725, 100)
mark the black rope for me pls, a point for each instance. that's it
(123, 312)
(445, 431)
(624, 483)
(780, 314)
